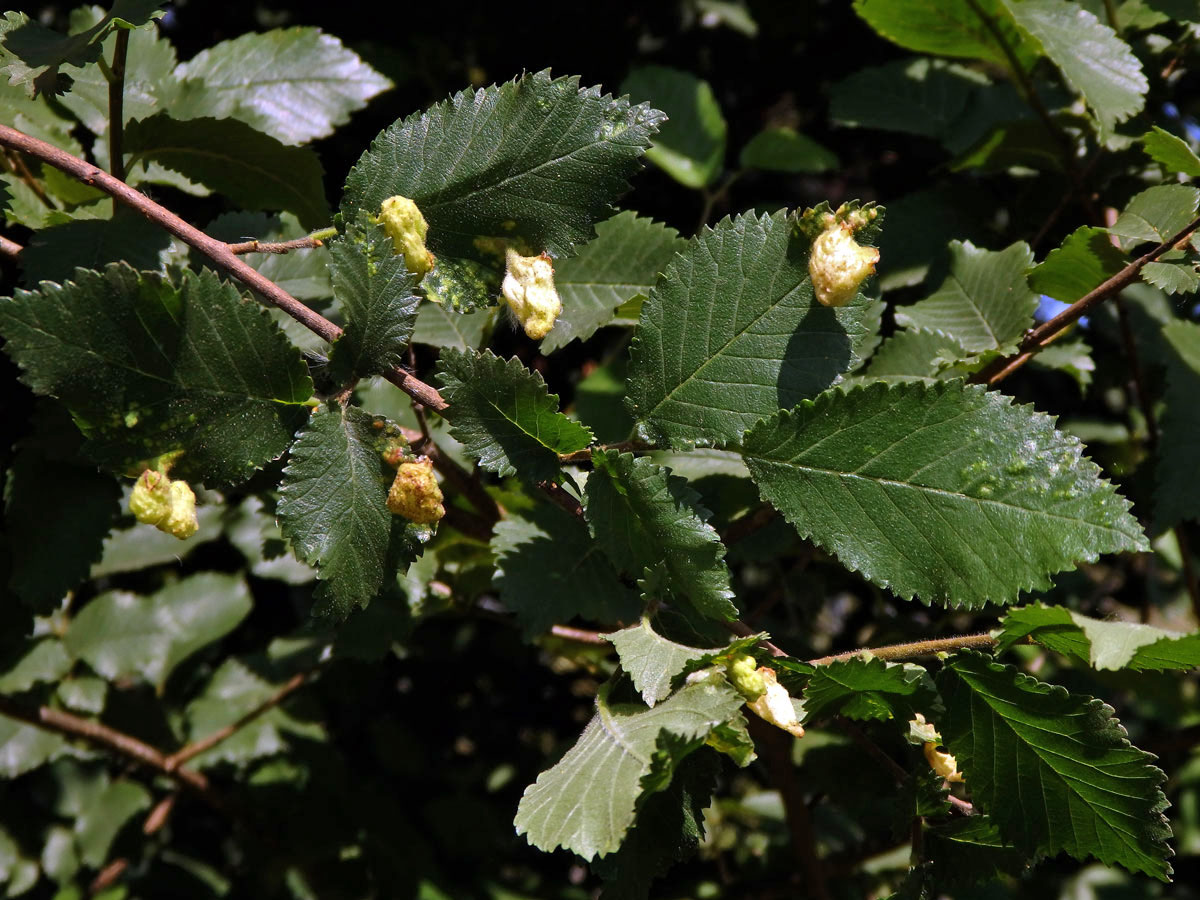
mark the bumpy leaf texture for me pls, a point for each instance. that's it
(943, 491)
(537, 160)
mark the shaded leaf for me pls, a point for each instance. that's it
(332, 507)
(570, 806)
(732, 333)
(24, 748)
(1177, 494)
(504, 416)
(377, 295)
(1171, 152)
(522, 136)
(783, 149)
(921, 96)
(98, 822)
(549, 569)
(1085, 260)
(123, 635)
(653, 661)
(644, 517)
(943, 491)
(1156, 214)
(1176, 276)
(42, 661)
(622, 263)
(1094, 61)
(147, 367)
(968, 851)
(690, 146)
(946, 28)
(915, 353)
(984, 303)
(1103, 645)
(295, 84)
(253, 169)
(54, 253)
(1054, 770)
(867, 688)
(233, 691)
(441, 326)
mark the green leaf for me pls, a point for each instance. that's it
(377, 295)
(504, 415)
(645, 517)
(122, 635)
(1006, 145)
(332, 507)
(1085, 260)
(295, 84)
(24, 748)
(984, 303)
(965, 852)
(1177, 494)
(945, 28)
(481, 163)
(1093, 60)
(690, 147)
(1176, 276)
(668, 829)
(140, 546)
(231, 158)
(921, 96)
(54, 253)
(1171, 152)
(783, 149)
(915, 353)
(867, 688)
(622, 263)
(1072, 357)
(252, 528)
(920, 228)
(1054, 770)
(653, 661)
(147, 367)
(944, 491)
(1156, 214)
(150, 82)
(733, 333)
(32, 54)
(43, 661)
(587, 801)
(98, 822)
(440, 325)
(549, 569)
(1102, 645)
(235, 690)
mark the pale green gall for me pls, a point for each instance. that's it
(838, 264)
(744, 676)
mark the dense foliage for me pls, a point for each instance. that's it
(521, 544)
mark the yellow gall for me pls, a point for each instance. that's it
(170, 506)
(529, 291)
(839, 264)
(407, 228)
(415, 494)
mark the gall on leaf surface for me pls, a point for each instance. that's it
(587, 801)
(733, 332)
(537, 160)
(147, 367)
(943, 491)
(1054, 770)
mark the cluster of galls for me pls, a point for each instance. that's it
(414, 493)
(170, 506)
(528, 287)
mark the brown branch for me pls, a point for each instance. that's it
(218, 252)
(558, 495)
(1038, 338)
(116, 105)
(182, 755)
(914, 650)
(308, 242)
(100, 735)
(579, 635)
(11, 249)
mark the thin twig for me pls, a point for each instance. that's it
(116, 105)
(218, 252)
(1038, 338)
(558, 495)
(308, 242)
(585, 455)
(25, 174)
(194, 749)
(580, 635)
(915, 649)
(100, 735)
